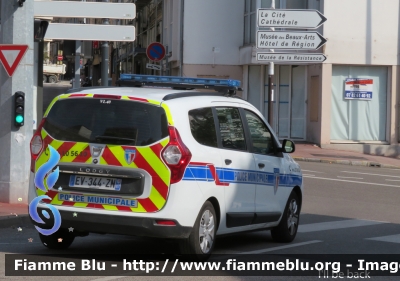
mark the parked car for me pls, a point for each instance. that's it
(166, 162)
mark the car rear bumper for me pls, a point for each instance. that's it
(113, 224)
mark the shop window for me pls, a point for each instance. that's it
(355, 117)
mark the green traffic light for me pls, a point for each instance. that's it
(19, 119)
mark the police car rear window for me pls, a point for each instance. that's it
(118, 122)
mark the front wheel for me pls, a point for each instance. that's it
(59, 240)
(201, 241)
(287, 228)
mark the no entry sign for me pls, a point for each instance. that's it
(155, 51)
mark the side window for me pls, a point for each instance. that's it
(231, 128)
(203, 127)
(260, 136)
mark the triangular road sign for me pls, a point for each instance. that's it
(11, 56)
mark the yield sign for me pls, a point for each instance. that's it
(11, 56)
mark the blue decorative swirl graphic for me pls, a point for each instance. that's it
(35, 216)
(45, 169)
(52, 177)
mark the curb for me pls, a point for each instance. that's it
(15, 221)
(347, 162)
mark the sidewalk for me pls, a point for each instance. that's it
(313, 153)
(16, 215)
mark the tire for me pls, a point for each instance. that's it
(201, 242)
(286, 230)
(51, 241)
(53, 79)
(44, 79)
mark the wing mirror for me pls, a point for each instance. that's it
(288, 146)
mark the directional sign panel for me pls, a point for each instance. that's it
(290, 18)
(291, 57)
(73, 9)
(90, 32)
(290, 40)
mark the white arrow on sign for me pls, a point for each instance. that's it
(290, 40)
(90, 32)
(73, 9)
(291, 57)
(153, 66)
(290, 18)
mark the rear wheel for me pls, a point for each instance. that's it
(53, 79)
(44, 79)
(61, 239)
(287, 228)
(201, 241)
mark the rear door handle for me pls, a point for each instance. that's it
(261, 165)
(228, 161)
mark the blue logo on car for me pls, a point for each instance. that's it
(45, 176)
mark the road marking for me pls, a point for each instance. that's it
(381, 184)
(313, 171)
(269, 249)
(390, 238)
(308, 175)
(350, 178)
(371, 174)
(392, 180)
(321, 226)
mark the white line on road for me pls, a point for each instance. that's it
(371, 174)
(312, 171)
(350, 178)
(269, 249)
(321, 226)
(381, 184)
(392, 180)
(390, 238)
(308, 175)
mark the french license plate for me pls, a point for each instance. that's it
(95, 182)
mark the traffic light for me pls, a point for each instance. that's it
(39, 30)
(19, 109)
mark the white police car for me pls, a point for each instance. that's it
(159, 159)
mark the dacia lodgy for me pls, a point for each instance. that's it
(161, 158)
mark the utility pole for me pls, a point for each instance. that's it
(104, 58)
(270, 84)
(16, 28)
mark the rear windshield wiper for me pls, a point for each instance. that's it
(114, 138)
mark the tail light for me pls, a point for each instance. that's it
(36, 144)
(176, 155)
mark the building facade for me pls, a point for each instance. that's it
(217, 39)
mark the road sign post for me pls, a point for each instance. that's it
(288, 40)
(16, 29)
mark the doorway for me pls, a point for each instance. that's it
(289, 101)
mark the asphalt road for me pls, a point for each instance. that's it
(346, 210)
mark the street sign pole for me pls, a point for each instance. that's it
(270, 83)
(16, 28)
(104, 58)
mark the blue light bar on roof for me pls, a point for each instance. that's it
(180, 80)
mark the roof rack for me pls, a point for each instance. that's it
(227, 86)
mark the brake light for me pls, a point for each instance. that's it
(36, 144)
(176, 155)
(100, 96)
